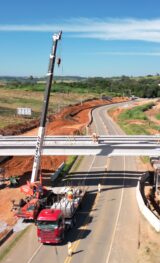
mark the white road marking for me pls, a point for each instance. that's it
(103, 123)
(99, 167)
(90, 167)
(111, 124)
(118, 214)
(34, 254)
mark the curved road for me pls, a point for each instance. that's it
(108, 224)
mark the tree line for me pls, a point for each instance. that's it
(145, 87)
(124, 86)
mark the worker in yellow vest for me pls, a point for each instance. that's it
(70, 194)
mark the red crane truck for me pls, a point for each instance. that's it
(29, 209)
(37, 199)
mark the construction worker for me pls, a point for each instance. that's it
(95, 137)
(70, 194)
(99, 188)
(70, 249)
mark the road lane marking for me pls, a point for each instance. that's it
(82, 228)
(102, 121)
(118, 214)
(76, 243)
(85, 224)
(34, 254)
(111, 124)
(98, 167)
(90, 168)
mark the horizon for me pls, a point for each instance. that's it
(80, 76)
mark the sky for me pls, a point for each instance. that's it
(100, 37)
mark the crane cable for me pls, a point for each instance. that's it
(59, 59)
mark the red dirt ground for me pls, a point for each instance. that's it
(71, 120)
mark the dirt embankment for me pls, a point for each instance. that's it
(70, 121)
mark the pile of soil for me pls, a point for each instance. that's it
(70, 121)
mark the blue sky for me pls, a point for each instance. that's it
(100, 38)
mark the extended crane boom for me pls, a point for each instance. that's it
(41, 130)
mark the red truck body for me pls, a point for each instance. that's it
(50, 226)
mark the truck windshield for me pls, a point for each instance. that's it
(47, 224)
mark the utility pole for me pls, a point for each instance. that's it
(41, 131)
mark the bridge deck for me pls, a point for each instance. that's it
(141, 145)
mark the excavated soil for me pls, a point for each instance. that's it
(70, 121)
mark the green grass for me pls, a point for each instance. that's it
(11, 99)
(158, 116)
(77, 164)
(67, 166)
(26, 87)
(155, 127)
(145, 159)
(133, 129)
(142, 126)
(136, 113)
(21, 102)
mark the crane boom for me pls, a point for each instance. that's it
(41, 131)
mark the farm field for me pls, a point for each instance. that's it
(11, 99)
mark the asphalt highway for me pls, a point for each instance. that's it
(107, 229)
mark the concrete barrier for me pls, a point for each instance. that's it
(151, 218)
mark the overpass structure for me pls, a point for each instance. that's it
(111, 145)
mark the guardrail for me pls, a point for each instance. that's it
(79, 138)
(83, 145)
(151, 218)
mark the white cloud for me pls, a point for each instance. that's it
(117, 53)
(107, 29)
